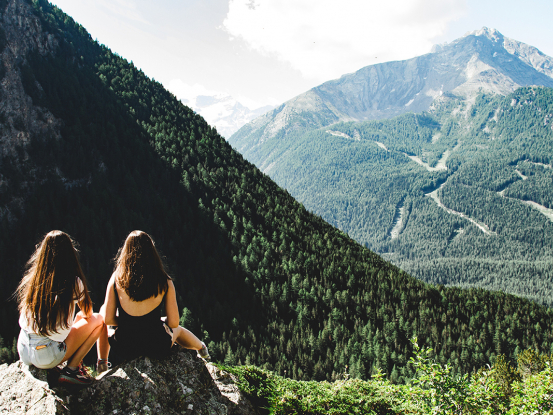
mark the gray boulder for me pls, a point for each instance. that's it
(24, 390)
(181, 384)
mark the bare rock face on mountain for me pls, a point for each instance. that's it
(180, 384)
(22, 33)
(482, 60)
(20, 119)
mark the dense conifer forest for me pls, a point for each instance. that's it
(261, 279)
(460, 195)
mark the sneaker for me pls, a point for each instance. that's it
(75, 377)
(84, 369)
(203, 353)
(102, 366)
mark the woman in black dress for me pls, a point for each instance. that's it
(138, 294)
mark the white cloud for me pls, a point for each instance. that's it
(187, 93)
(327, 38)
(254, 104)
(125, 8)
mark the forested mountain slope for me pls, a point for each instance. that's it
(458, 194)
(90, 145)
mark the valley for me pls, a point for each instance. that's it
(383, 182)
(297, 288)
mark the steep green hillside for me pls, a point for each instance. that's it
(263, 280)
(459, 195)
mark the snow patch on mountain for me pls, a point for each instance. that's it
(225, 112)
(219, 109)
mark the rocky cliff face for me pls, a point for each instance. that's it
(20, 119)
(482, 60)
(181, 384)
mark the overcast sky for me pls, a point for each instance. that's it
(268, 51)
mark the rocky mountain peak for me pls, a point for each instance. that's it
(492, 34)
(482, 60)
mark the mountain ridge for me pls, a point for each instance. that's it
(389, 89)
(261, 280)
(460, 183)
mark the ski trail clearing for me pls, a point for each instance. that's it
(483, 227)
(398, 227)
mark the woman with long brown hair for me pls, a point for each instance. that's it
(139, 292)
(47, 294)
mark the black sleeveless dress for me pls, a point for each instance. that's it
(137, 336)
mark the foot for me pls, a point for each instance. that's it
(203, 353)
(102, 366)
(85, 370)
(75, 377)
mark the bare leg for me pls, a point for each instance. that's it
(102, 345)
(81, 338)
(187, 339)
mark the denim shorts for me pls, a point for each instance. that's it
(40, 351)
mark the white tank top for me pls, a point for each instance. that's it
(26, 321)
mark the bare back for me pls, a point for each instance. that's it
(138, 308)
(118, 298)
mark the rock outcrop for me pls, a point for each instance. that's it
(24, 390)
(180, 384)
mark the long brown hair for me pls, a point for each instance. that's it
(139, 270)
(50, 284)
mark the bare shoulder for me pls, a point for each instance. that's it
(111, 280)
(171, 292)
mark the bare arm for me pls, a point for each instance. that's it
(171, 307)
(109, 309)
(81, 312)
